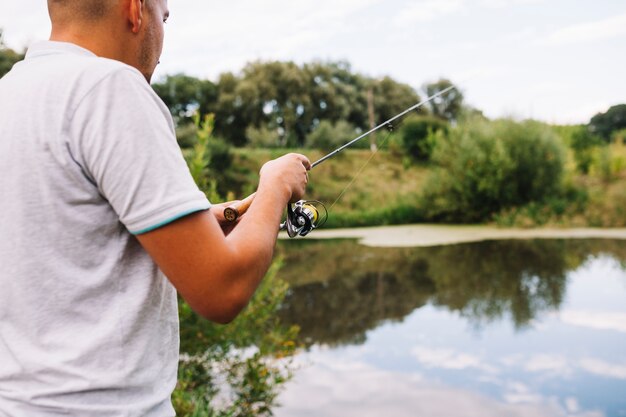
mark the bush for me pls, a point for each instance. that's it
(209, 159)
(484, 167)
(619, 136)
(328, 136)
(262, 137)
(237, 369)
(583, 143)
(419, 135)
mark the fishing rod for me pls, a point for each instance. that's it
(304, 216)
(380, 126)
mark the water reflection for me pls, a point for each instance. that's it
(523, 328)
(341, 289)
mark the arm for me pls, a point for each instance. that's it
(218, 274)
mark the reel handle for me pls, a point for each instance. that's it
(232, 212)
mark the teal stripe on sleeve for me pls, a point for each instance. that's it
(170, 220)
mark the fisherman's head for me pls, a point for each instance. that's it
(130, 31)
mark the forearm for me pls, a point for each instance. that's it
(217, 274)
(254, 239)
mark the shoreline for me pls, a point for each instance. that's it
(424, 235)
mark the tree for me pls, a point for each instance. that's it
(604, 124)
(184, 95)
(336, 93)
(285, 99)
(8, 57)
(278, 96)
(232, 114)
(447, 106)
(392, 97)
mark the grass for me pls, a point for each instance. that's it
(384, 184)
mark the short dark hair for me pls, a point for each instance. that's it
(89, 10)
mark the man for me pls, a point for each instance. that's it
(96, 201)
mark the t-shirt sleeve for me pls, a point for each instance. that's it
(128, 149)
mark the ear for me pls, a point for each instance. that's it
(135, 15)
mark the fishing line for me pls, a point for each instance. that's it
(387, 123)
(354, 178)
(401, 116)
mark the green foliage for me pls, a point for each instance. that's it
(583, 142)
(448, 106)
(198, 161)
(605, 164)
(391, 97)
(8, 57)
(604, 124)
(329, 136)
(419, 135)
(284, 98)
(390, 215)
(485, 167)
(555, 210)
(185, 95)
(209, 159)
(566, 132)
(237, 369)
(262, 137)
(619, 136)
(388, 192)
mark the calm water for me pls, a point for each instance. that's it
(504, 328)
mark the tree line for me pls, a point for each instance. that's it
(282, 103)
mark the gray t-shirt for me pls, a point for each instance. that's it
(88, 157)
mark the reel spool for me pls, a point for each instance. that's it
(303, 217)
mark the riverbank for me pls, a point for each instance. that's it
(426, 235)
(388, 191)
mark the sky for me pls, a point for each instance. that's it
(560, 61)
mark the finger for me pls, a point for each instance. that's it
(305, 161)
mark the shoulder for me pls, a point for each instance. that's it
(106, 80)
(97, 73)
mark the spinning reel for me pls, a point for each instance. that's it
(303, 217)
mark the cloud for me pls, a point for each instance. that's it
(603, 368)
(426, 10)
(23, 22)
(560, 367)
(611, 27)
(449, 359)
(595, 320)
(548, 364)
(497, 4)
(209, 39)
(518, 393)
(343, 387)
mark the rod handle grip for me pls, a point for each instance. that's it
(232, 212)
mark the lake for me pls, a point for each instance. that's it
(533, 327)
